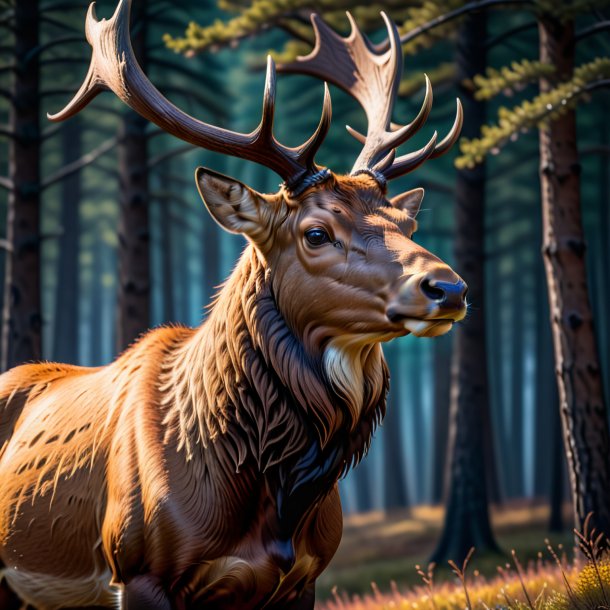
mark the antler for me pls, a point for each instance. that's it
(114, 67)
(372, 77)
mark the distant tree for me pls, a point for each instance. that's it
(467, 521)
(133, 299)
(34, 38)
(66, 327)
(582, 405)
(562, 87)
(22, 317)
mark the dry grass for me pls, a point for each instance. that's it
(385, 547)
(550, 582)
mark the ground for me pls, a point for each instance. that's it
(384, 547)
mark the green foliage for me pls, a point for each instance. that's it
(424, 13)
(445, 72)
(507, 79)
(533, 113)
(292, 15)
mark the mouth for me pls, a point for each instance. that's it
(428, 328)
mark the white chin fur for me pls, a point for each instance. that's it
(427, 328)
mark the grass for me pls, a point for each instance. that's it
(385, 547)
(550, 581)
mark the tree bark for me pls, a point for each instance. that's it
(442, 398)
(22, 319)
(467, 521)
(517, 439)
(134, 236)
(66, 327)
(582, 407)
(395, 478)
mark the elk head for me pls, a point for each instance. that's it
(338, 253)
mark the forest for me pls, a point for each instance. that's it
(105, 236)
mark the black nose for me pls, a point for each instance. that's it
(445, 294)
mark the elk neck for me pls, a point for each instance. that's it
(246, 378)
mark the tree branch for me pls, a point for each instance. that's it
(595, 149)
(598, 84)
(496, 40)
(75, 166)
(64, 60)
(211, 103)
(41, 48)
(175, 152)
(58, 24)
(295, 33)
(6, 131)
(7, 183)
(7, 95)
(61, 6)
(471, 7)
(593, 29)
(6, 23)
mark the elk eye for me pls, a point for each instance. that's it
(317, 237)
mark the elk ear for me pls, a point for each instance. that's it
(233, 205)
(409, 202)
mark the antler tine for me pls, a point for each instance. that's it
(454, 133)
(407, 163)
(308, 150)
(372, 76)
(353, 65)
(114, 67)
(264, 131)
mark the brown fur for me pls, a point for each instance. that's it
(199, 470)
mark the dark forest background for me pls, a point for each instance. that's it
(85, 172)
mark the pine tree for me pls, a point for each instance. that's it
(553, 113)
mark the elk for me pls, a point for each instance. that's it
(199, 470)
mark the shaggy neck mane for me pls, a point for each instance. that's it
(245, 380)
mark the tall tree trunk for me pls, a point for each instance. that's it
(556, 494)
(65, 340)
(467, 513)
(516, 406)
(97, 305)
(583, 412)
(22, 318)
(167, 258)
(442, 396)
(134, 237)
(395, 478)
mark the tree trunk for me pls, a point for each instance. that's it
(97, 293)
(65, 340)
(583, 412)
(517, 438)
(22, 318)
(442, 396)
(467, 513)
(395, 478)
(556, 494)
(134, 238)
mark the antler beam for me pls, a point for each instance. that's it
(372, 78)
(114, 67)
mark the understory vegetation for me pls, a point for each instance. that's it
(550, 582)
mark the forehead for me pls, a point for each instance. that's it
(356, 201)
(347, 195)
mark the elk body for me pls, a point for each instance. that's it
(199, 470)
